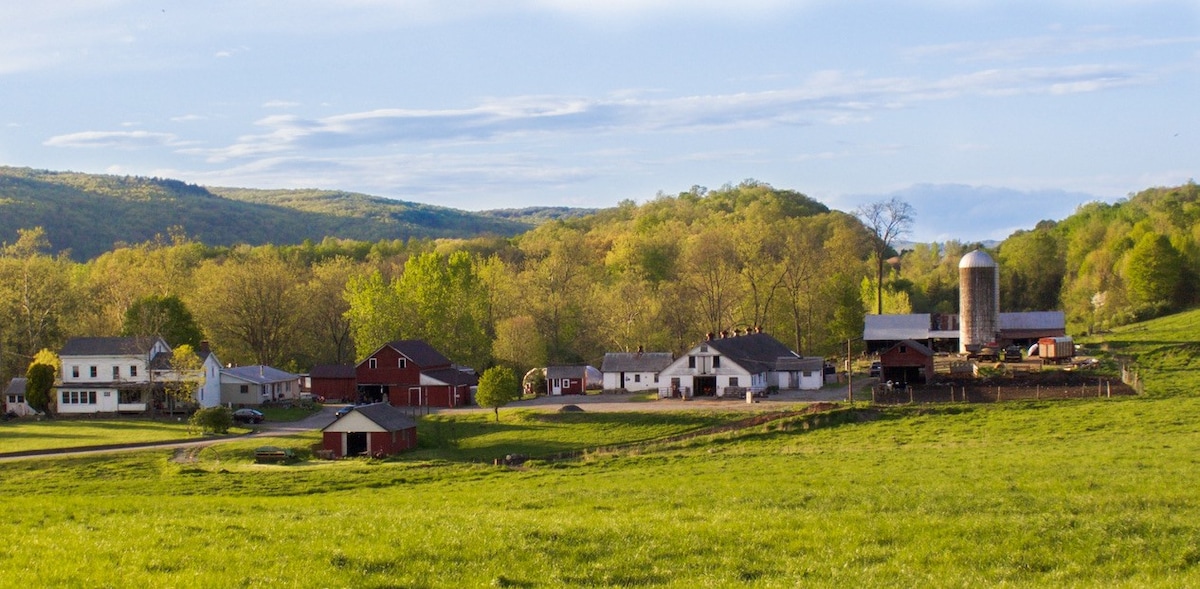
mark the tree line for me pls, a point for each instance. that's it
(657, 276)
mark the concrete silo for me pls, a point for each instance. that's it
(978, 301)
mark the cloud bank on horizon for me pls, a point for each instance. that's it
(996, 112)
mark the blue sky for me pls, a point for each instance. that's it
(987, 116)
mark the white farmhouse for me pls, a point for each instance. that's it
(108, 374)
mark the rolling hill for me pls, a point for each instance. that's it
(87, 214)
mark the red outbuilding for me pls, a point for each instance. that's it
(413, 373)
(907, 362)
(370, 430)
(334, 382)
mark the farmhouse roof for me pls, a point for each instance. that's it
(332, 371)
(636, 361)
(259, 374)
(16, 386)
(108, 346)
(756, 352)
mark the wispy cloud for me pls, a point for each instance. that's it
(1041, 47)
(834, 98)
(114, 140)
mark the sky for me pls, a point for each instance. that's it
(986, 116)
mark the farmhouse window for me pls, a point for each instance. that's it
(402, 363)
(116, 372)
(733, 381)
(244, 389)
(716, 361)
(691, 361)
(133, 370)
(128, 396)
(903, 349)
(637, 378)
(92, 371)
(372, 364)
(74, 372)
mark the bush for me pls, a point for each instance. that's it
(217, 419)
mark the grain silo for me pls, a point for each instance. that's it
(978, 301)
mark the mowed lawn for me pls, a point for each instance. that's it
(1085, 493)
(27, 434)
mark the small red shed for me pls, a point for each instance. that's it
(370, 430)
(334, 382)
(908, 362)
(566, 380)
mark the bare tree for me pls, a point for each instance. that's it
(887, 220)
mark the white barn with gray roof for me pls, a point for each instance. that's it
(633, 371)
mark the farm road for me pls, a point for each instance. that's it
(598, 403)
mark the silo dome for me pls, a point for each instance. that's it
(976, 259)
(978, 301)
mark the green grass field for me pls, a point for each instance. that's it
(27, 434)
(1063, 493)
(1165, 351)
(1069, 493)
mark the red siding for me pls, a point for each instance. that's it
(380, 443)
(387, 370)
(335, 389)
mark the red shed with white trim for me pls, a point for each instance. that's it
(370, 430)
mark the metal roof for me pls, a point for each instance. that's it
(260, 374)
(109, 346)
(756, 352)
(636, 361)
(389, 418)
(1033, 320)
(332, 371)
(914, 326)
(977, 259)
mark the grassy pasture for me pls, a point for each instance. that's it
(1064, 493)
(27, 434)
(1166, 352)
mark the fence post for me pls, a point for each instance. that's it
(997, 393)
(1038, 393)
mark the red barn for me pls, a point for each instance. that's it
(412, 373)
(334, 382)
(370, 430)
(907, 362)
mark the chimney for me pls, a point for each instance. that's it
(708, 336)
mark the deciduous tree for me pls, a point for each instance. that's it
(498, 387)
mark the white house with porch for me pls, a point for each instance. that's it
(108, 374)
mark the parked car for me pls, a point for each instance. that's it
(344, 410)
(248, 415)
(876, 369)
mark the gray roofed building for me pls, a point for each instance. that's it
(756, 352)
(636, 361)
(109, 346)
(384, 415)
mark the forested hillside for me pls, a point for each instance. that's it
(1106, 265)
(660, 275)
(89, 214)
